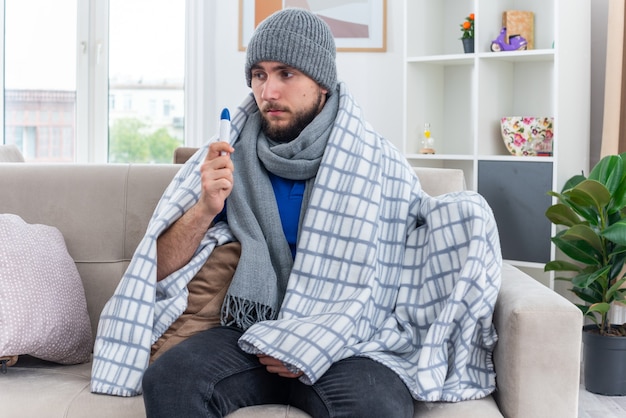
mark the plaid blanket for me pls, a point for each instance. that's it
(382, 270)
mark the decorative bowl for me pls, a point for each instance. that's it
(527, 135)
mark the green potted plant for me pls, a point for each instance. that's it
(591, 216)
(467, 27)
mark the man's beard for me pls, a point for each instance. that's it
(290, 132)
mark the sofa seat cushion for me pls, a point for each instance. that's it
(479, 408)
(63, 392)
(59, 391)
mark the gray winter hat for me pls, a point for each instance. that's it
(298, 38)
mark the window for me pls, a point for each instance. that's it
(146, 63)
(39, 73)
(79, 73)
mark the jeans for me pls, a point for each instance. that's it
(208, 375)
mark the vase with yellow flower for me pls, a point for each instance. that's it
(467, 27)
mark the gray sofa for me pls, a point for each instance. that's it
(103, 210)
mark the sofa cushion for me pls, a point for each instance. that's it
(439, 181)
(207, 290)
(63, 391)
(43, 311)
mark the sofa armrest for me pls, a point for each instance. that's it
(437, 181)
(537, 358)
(10, 154)
(182, 154)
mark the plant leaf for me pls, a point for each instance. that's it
(617, 257)
(560, 214)
(587, 295)
(619, 198)
(620, 295)
(581, 204)
(584, 233)
(609, 171)
(585, 280)
(561, 265)
(573, 181)
(601, 307)
(590, 193)
(576, 250)
(616, 233)
(613, 291)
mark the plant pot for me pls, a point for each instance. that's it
(468, 45)
(604, 363)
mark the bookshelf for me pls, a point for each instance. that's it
(463, 96)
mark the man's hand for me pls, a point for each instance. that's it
(276, 366)
(217, 177)
(178, 243)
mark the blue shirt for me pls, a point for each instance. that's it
(289, 195)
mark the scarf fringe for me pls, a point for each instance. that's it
(243, 313)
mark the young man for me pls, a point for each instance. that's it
(355, 292)
(290, 67)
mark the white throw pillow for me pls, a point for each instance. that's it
(43, 310)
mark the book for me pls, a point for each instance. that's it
(520, 22)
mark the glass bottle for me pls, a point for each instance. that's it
(428, 142)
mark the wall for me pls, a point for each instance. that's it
(599, 20)
(374, 79)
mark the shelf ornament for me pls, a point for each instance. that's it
(516, 42)
(428, 142)
(467, 27)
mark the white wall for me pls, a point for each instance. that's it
(374, 79)
(599, 22)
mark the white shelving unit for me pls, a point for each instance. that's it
(463, 96)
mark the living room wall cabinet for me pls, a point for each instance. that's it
(463, 96)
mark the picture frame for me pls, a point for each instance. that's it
(357, 26)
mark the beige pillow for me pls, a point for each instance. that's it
(43, 310)
(207, 290)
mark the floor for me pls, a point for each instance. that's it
(591, 405)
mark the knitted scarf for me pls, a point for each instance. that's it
(261, 277)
